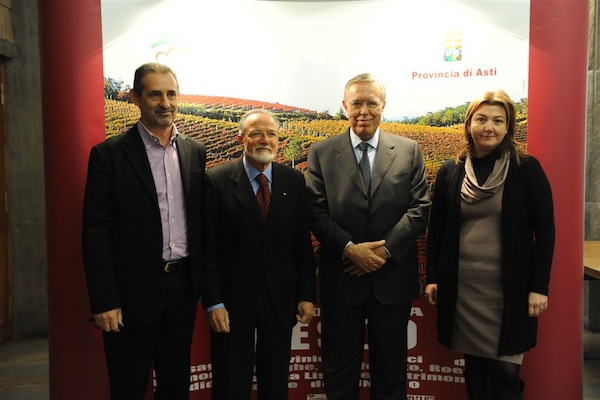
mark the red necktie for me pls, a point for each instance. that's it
(263, 195)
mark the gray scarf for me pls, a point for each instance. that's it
(470, 190)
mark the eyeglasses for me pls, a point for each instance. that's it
(371, 104)
(270, 135)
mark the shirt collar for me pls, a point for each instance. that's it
(149, 138)
(253, 172)
(374, 141)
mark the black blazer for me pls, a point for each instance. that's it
(245, 254)
(341, 211)
(122, 233)
(527, 224)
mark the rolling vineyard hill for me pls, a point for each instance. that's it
(213, 121)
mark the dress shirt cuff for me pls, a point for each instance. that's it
(344, 258)
(216, 306)
(388, 252)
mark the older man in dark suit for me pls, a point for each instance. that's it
(141, 242)
(369, 202)
(259, 266)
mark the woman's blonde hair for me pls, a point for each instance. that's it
(508, 144)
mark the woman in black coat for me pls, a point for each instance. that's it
(489, 250)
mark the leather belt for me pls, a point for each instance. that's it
(175, 265)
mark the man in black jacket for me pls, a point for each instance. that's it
(141, 242)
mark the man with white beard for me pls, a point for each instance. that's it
(259, 268)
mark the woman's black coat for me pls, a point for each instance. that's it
(527, 224)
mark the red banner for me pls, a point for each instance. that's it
(432, 369)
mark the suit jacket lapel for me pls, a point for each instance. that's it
(184, 153)
(347, 161)
(279, 192)
(136, 153)
(242, 190)
(383, 160)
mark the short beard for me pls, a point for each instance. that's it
(263, 157)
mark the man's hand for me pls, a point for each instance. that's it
(111, 320)
(365, 257)
(431, 293)
(306, 310)
(219, 320)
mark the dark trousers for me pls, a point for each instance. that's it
(259, 340)
(343, 338)
(163, 340)
(491, 379)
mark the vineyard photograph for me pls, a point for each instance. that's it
(214, 120)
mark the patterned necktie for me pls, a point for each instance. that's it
(263, 195)
(365, 167)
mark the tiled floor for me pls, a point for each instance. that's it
(24, 368)
(591, 366)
